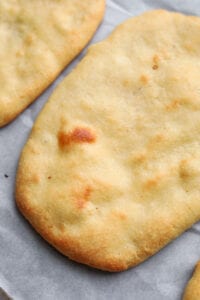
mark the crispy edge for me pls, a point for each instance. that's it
(76, 252)
(11, 112)
(67, 246)
(148, 245)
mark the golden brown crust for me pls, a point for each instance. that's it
(115, 192)
(192, 291)
(37, 41)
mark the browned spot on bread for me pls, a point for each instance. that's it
(62, 227)
(184, 172)
(144, 79)
(140, 157)
(83, 197)
(78, 135)
(156, 140)
(34, 179)
(155, 67)
(63, 138)
(156, 60)
(159, 138)
(189, 46)
(174, 104)
(82, 135)
(153, 182)
(119, 215)
(29, 39)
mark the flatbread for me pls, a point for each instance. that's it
(111, 171)
(192, 291)
(38, 39)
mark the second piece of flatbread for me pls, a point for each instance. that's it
(38, 39)
(111, 171)
(192, 291)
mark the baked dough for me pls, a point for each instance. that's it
(192, 291)
(111, 171)
(38, 39)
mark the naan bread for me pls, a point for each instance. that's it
(111, 171)
(192, 291)
(38, 39)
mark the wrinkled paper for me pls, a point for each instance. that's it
(31, 269)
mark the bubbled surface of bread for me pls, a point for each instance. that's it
(110, 173)
(38, 39)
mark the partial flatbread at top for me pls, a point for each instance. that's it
(38, 39)
(192, 291)
(111, 171)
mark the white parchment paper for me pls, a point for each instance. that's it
(30, 269)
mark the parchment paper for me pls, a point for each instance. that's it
(30, 269)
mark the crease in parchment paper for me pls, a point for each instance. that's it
(118, 6)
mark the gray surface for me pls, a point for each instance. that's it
(31, 269)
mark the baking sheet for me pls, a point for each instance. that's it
(32, 269)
